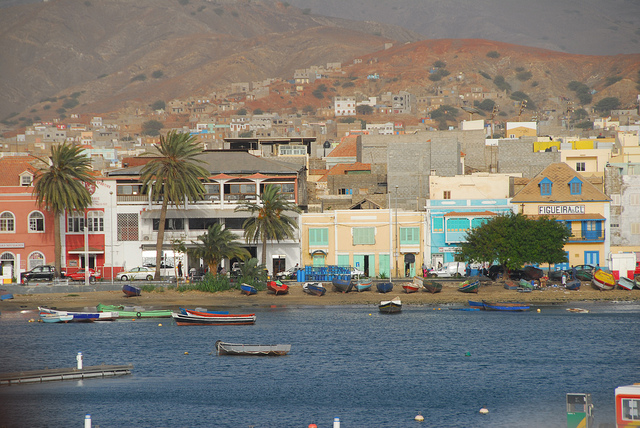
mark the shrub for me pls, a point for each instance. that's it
(157, 74)
(584, 125)
(348, 84)
(521, 96)
(501, 83)
(485, 75)
(151, 127)
(439, 64)
(219, 11)
(258, 111)
(318, 94)
(140, 77)
(519, 69)
(611, 80)
(306, 11)
(242, 112)
(523, 76)
(158, 105)
(493, 54)
(70, 103)
(607, 104)
(486, 105)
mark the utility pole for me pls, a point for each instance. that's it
(397, 243)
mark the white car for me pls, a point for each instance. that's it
(449, 270)
(355, 272)
(289, 273)
(137, 273)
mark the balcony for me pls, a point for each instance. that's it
(132, 198)
(587, 236)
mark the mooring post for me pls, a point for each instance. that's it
(79, 360)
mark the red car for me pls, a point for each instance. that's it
(79, 275)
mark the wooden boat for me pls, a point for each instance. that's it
(248, 289)
(206, 311)
(7, 296)
(384, 287)
(133, 313)
(578, 310)
(50, 318)
(224, 348)
(277, 287)
(523, 283)
(504, 306)
(204, 318)
(627, 283)
(131, 290)
(81, 316)
(573, 284)
(342, 285)
(363, 284)
(477, 305)
(432, 286)
(532, 272)
(411, 287)
(469, 286)
(314, 288)
(510, 285)
(603, 280)
(392, 306)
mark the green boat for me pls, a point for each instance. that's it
(159, 313)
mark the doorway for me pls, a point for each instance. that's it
(279, 264)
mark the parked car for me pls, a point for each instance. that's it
(137, 273)
(79, 275)
(289, 273)
(39, 273)
(355, 272)
(583, 272)
(449, 270)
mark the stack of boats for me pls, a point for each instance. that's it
(603, 280)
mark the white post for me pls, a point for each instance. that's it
(87, 421)
(336, 422)
(86, 255)
(111, 205)
(79, 360)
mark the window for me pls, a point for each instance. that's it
(363, 235)
(634, 199)
(129, 189)
(75, 222)
(201, 223)
(615, 199)
(409, 236)
(127, 227)
(234, 223)
(343, 191)
(580, 166)
(26, 180)
(36, 222)
(438, 224)
(239, 192)
(446, 194)
(211, 192)
(286, 189)
(169, 224)
(35, 259)
(457, 224)
(292, 150)
(7, 222)
(318, 237)
(95, 221)
(575, 186)
(630, 409)
(635, 228)
(545, 187)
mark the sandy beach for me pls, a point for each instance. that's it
(172, 299)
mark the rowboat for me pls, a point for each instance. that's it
(343, 285)
(203, 310)
(224, 348)
(7, 296)
(411, 287)
(523, 283)
(432, 286)
(504, 306)
(314, 288)
(276, 287)
(573, 285)
(384, 287)
(578, 310)
(477, 305)
(204, 318)
(392, 306)
(82, 316)
(510, 285)
(133, 313)
(363, 284)
(50, 318)
(469, 287)
(130, 290)
(248, 289)
(603, 280)
(627, 283)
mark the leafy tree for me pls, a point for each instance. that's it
(612, 80)
(523, 76)
(158, 105)
(364, 109)
(348, 84)
(308, 109)
(580, 114)
(62, 186)
(258, 111)
(318, 94)
(493, 54)
(501, 83)
(445, 112)
(486, 105)
(607, 104)
(151, 128)
(139, 77)
(582, 91)
(521, 96)
(550, 237)
(439, 64)
(173, 178)
(269, 221)
(587, 124)
(485, 75)
(245, 134)
(215, 245)
(157, 74)
(242, 112)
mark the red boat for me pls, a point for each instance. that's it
(410, 287)
(189, 317)
(277, 287)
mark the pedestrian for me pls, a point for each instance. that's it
(564, 278)
(180, 269)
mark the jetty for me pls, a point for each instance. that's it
(47, 375)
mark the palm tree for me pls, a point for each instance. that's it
(173, 178)
(270, 221)
(217, 244)
(61, 186)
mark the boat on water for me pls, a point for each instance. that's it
(133, 312)
(205, 318)
(384, 287)
(203, 310)
(82, 316)
(314, 288)
(603, 280)
(626, 283)
(224, 348)
(432, 286)
(504, 306)
(469, 286)
(343, 285)
(51, 318)
(392, 306)
(363, 284)
(573, 285)
(248, 289)
(131, 290)
(578, 310)
(277, 287)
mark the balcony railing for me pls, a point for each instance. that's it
(133, 198)
(587, 235)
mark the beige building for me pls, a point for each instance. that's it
(479, 185)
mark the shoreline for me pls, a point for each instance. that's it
(172, 299)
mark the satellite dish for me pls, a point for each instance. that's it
(326, 145)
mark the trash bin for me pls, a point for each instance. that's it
(300, 275)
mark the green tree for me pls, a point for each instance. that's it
(607, 104)
(501, 83)
(158, 105)
(521, 96)
(151, 128)
(242, 112)
(523, 76)
(253, 273)
(550, 237)
(258, 111)
(62, 186)
(215, 245)
(439, 64)
(364, 109)
(173, 177)
(493, 54)
(486, 104)
(157, 74)
(269, 220)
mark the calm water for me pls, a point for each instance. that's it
(370, 370)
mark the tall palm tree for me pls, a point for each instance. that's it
(269, 221)
(173, 178)
(217, 244)
(61, 186)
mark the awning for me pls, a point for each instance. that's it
(92, 250)
(317, 251)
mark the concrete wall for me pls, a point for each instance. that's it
(517, 156)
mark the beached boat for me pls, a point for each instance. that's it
(363, 284)
(50, 318)
(204, 318)
(432, 286)
(412, 287)
(343, 285)
(224, 348)
(277, 287)
(123, 312)
(477, 305)
(510, 285)
(532, 272)
(627, 283)
(469, 286)
(504, 306)
(523, 283)
(573, 285)
(248, 289)
(314, 288)
(384, 287)
(6, 296)
(392, 306)
(131, 290)
(603, 280)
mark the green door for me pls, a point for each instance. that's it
(343, 260)
(358, 261)
(383, 267)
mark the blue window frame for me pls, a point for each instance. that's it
(575, 186)
(545, 186)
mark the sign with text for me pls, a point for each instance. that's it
(560, 209)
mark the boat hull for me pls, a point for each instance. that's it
(504, 306)
(342, 285)
(390, 306)
(130, 290)
(248, 289)
(626, 283)
(410, 288)
(315, 289)
(277, 288)
(573, 285)
(432, 286)
(212, 319)
(363, 285)
(469, 287)
(159, 313)
(384, 287)
(223, 348)
(53, 318)
(603, 280)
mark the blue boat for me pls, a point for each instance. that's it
(478, 305)
(573, 285)
(342, 285)
(248, 289)
(183, 311)
(131, 290)
(363, 284)
(384, 287)
(504, 306)
(314, 288)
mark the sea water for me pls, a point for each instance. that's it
(366, 368)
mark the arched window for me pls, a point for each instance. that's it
(7, 222)
(36, 222)
(95, 221)
(36, 259)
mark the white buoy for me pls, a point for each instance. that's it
(419, 418)
(336, 422)
(484, 411)
(79, 360)
(87, 421)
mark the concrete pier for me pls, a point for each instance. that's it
(47, 375)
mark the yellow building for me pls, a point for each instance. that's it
(560, 192)
(375, 241)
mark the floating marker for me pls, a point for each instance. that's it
(419, 418)
(336, 422)
(186, 353)
(313, 426)
(467, 354)
(538, 310)
(87, 421)
(369, 314)
(484, 411)
(79, 361)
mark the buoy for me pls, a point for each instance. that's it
(336, 422)
(186, 353)
(419, 418)
(467, 354)
(133, 319)
(160, 325)
(369, 314)
(538, 310)
(484, 411)
(313, 426)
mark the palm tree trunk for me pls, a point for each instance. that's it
(264, 251)
(57, 243)
(160, 240)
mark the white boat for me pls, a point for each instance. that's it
(50, 318)
(390, 306)
(255, 350)
(627, 283)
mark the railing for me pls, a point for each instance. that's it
(132, 198)
(587, 235)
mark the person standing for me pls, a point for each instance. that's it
(180, 269)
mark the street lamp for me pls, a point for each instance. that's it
(397, 244)
(111, 227)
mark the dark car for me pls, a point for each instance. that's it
(38, 273)
(496, 271)
(583, 273)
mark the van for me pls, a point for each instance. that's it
(449, 270)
